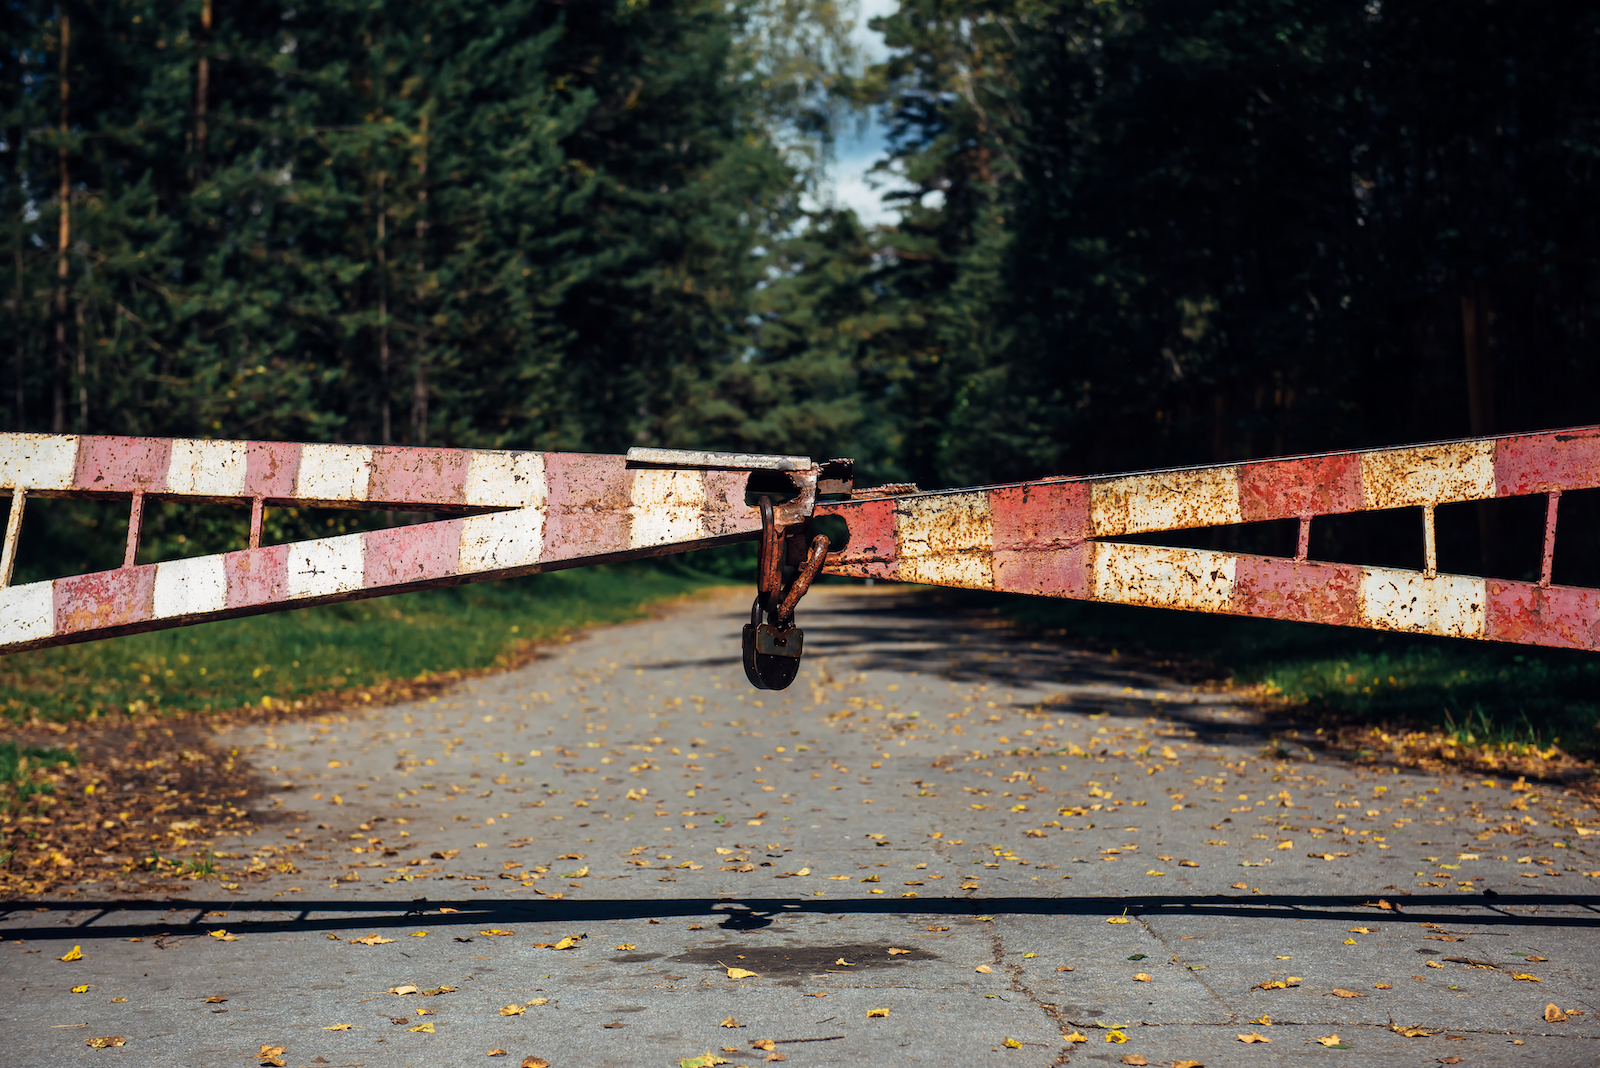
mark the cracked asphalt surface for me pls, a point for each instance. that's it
(1023, 851)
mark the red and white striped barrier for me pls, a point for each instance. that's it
(527, 512)
(1035, 538)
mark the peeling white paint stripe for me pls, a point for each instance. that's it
(506, 480)
(1168, 500)
(946, 540)
(207, 468)
(1163, 578)
(1428, 474)
(190, 587)
(667, 507)
(27, 613)
(326, 566)
(1451, 605)
(333, 473)
(501, 540)
(38, 461)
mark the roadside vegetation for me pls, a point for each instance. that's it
(1416, 697)
(357, 653)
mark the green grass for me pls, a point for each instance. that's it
(292, 655)
(1480, 692)
(18, 784)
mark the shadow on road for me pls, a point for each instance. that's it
(753, 913)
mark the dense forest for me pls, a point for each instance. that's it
(1133, 232)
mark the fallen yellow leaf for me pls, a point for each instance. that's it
(540, 1062)
(337, 1027)
(1264, 1021)
(496, 1053)
(731, 1022)
(1525, 977)
(406, 988)
(741, 973)
(426, 1028)
(1339, 992)
(1412, 1032)
(512, 1010)
(1553, 1014)
(1188, 1064)
(1254, 1037)
(1116, 1037)
(272, 1056)
(567, 942)
(539, 1001)
(762, 1043)
(707, 1060)
(370, 940)
(80, 989)
(106, 1042)
(626, 947)
(1117, 919)
(877, 1012)
(419, 934)
(1360, 930)
(495, 932)
(1135, 1058)
(1076, 1036)
(1329, 1040)
(75, 953)
(984, 968)
(1010, 1043)
(897, 952)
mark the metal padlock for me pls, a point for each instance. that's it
(771, 653)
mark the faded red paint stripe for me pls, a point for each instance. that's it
(271, 468)
(588, 503)
(257, 576)
(1038, 530)
(1310, 485)
(402, 555)
(1301, 591)
(1563, 616)
(418, 476)
(872, 550)
(104, 599)
(1539, 463)
(122, 465)
(726, 513)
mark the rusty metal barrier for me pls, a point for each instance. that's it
(518, 513)
(1054, 538)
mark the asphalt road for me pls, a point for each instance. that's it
(945, 844)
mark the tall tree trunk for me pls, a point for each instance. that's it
(1480, 400)
(58, 420)
(202, 91)
(383, 315)
(419, 385)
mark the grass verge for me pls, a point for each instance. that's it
(359, 651)
(1410, 697)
